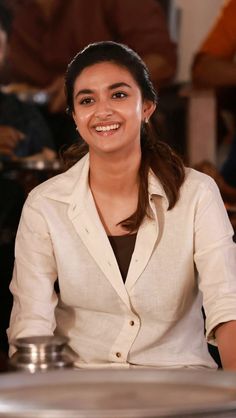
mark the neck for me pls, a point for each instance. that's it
(116, 177)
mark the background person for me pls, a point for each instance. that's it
(46, 34)
(23, 131)
(125, 230)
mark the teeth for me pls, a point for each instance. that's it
(107, 128)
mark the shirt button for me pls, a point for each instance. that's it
(131, 323)
(118, 355)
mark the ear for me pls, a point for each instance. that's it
(148, 109)
(74, 117)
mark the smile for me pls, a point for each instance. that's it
(107, 128)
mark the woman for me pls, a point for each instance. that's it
(125, 231)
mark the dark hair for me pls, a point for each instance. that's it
(157, 155)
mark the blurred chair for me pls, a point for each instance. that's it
(201, 138)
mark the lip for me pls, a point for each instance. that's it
(106, 124)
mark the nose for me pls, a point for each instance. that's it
(103, 110)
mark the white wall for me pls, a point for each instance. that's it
(194, 18)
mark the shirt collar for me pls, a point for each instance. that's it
(64, 187)
(155, 188)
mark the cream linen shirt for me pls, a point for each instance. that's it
(183, 258)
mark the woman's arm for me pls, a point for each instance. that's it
(215, 258)
(35, 272)
(226, 339)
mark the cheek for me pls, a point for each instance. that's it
(136, 106)
(139, 110)
(81, 119)
(135, 111)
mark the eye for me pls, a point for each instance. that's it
(119, 95)
(86, 101)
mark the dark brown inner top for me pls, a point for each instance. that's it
(123, 247)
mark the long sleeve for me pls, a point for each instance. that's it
(33, 278)
(215, 257)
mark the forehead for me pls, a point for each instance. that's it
(104, 73)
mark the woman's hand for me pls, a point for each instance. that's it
(226, 339)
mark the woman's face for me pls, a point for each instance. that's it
(109, 109)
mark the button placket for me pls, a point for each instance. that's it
(128, 334)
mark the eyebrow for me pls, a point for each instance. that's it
(111, 87)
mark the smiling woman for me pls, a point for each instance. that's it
(108, 84)
(137, 242)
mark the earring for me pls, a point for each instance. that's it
(146, 120)
(77, 129)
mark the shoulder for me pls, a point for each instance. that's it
(195, 185)
(193, 176)
(62, 186)
(198, 183)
